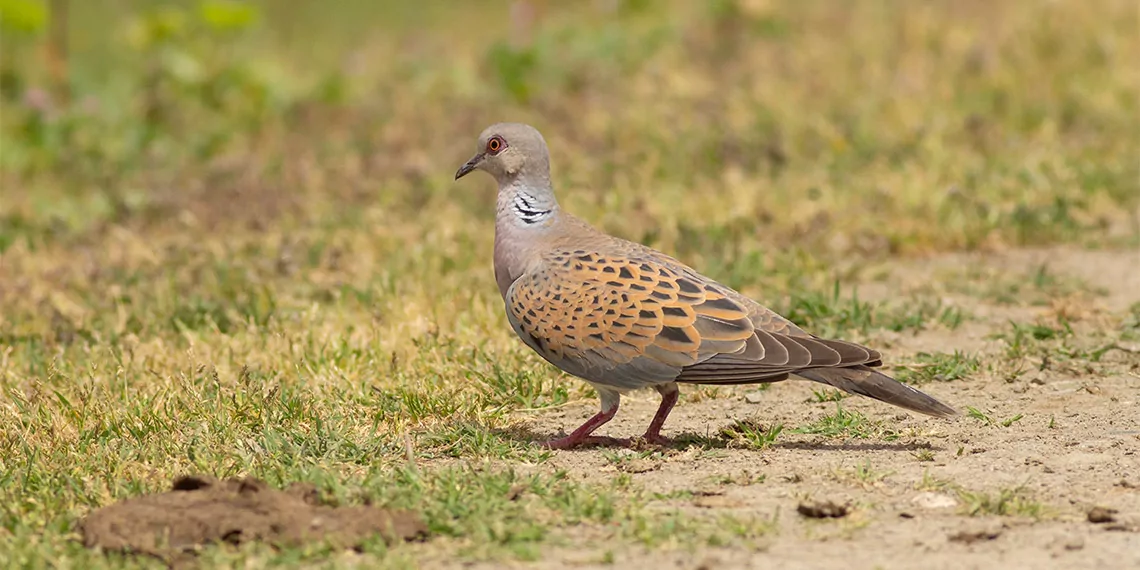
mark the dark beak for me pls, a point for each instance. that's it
(468, 166)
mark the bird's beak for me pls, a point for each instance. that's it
(468, 166)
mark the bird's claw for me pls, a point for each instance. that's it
(652, 440)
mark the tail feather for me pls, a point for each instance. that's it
(867, 382)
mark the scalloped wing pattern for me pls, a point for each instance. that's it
(629, 319)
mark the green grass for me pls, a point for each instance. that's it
(923, 455)
(1038, 287)
(987, 420)
(230, 242)
(863, 475)
(834, 314)
(820, 396)
(1003, 502)
(941, 367)
(845, 424)
(1006, 501)
(751, 434)
(1078, 349)
(744, 478)
(1130, 327)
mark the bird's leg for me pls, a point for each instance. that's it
(581, 435)
(669, 394)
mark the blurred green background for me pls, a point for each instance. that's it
(937, 125)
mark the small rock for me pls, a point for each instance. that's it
(1074, 543)
(753, 397)
(931, 500)
(822, 510)
(1098, 515)
(709, 492)
(515, 492)
(972, 536)
(708, 564)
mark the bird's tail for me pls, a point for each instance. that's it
(867, 382)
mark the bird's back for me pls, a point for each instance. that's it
(622, 314)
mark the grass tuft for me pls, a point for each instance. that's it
(848, 424)
(751, 434)
(940, 367)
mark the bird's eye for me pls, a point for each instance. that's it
(496, 144)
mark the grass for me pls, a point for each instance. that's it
(751, 434)
(847, 424)
(923, 455)
(743, 478)
(230, 242)
(1130, 327)
(836, 315)
(1004, 502)
(490, 513)
(987, 420)
(941, 367)
(821, 396)
(1037, 287)
(1078, 349)
(862, 475)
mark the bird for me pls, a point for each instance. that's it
(623, 316)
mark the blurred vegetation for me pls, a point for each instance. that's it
(857, 127)
(227, 221)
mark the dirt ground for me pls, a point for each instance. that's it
(198, 511)
(1076, 447)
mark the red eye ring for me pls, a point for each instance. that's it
(496, 144)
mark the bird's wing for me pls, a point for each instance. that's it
(632, 320)
(787, 349)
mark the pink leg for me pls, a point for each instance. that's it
(669, 395)
(581, 435)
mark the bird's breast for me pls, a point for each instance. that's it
(508, 265)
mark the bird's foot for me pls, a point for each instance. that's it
(571, 442)
(654, 440)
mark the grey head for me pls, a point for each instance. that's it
(513, 153)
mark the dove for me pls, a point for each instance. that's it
(623, 316)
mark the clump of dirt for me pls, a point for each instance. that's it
(822, 510)
(972, 536)
(1098, 515)
(202, 510)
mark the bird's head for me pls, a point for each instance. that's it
(509, 151)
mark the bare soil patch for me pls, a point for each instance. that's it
(200, 510)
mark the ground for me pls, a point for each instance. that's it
(922, 496)
(231, 247)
